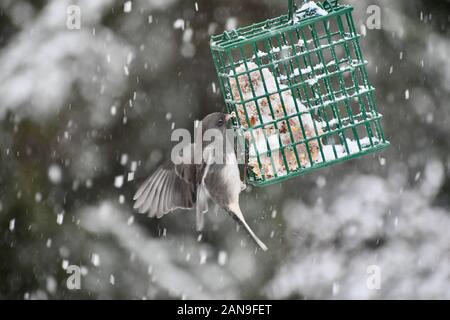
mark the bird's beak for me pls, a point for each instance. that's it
(228, 117)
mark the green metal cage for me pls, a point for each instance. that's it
(299, 90)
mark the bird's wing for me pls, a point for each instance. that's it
(194, 175)
(166, 190)
(202, 194)
(188, 169)
(201, 207)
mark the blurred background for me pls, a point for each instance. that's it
(86, 114)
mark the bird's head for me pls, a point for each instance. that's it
(216, 120)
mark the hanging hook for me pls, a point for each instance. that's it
(291, 6)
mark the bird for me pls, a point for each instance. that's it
(190, 185)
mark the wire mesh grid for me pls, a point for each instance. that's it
(299, 90)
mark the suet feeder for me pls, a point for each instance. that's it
(299, 89)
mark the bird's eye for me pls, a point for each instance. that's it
(220, 122)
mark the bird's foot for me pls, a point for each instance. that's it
(243, 186)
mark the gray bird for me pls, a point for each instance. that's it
(183, 186)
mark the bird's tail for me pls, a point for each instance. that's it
(237, 215)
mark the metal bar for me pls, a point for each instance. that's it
(258, 109)
(229, 52)
(354, 78)
(341, 82)
(328, 85)
(309, 104)
(299, 164)
(230, 56)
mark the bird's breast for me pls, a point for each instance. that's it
(230, 173)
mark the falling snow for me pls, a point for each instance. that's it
(130, 176)
(222, 258)
(60, 218)
(127, 6)
(55, 174)
(179, 24)
(231, 24)
(123, 159)
(95, 259)
(118, 182)
(12, 224)
(38, 197)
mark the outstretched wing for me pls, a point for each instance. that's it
(170, 187)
